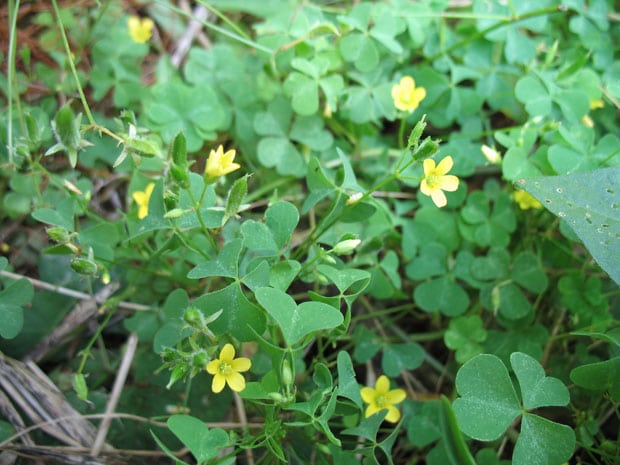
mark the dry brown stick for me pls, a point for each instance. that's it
(119, 382)
(70, 292)
(194, 27)
(81, 313)
(243, 419)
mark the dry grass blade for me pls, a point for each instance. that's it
(35, 394)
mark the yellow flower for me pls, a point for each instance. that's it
(587, 121)
(140, 30)
(406, 96)
(220, 163)
(525, 200)
(226, 369)
(142, 199)
(597, 103)
(435, 180)
(382, 398)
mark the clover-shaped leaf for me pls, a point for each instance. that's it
(537, 389)
(464, 334)
(12, 298)
(489, 404)
(297, 321)
(203, 443)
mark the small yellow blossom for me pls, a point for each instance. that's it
(406, 95)
(597, 103)
(587, 121)
(525, 200)
(142, 199)
(220, 163)
(382, 398)
(140, 30)
(492, 155)
(436, 180)
(227, 369)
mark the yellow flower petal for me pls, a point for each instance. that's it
(429, 166)
(218, 384)
(228, 353)
(382, 386)
(241, 364)
(406, 95)
(213, 367)
(449, 183)
(368, 394)
(439, 198)
(236, 382)
(396, 396)
(444, 166)
(393, 414)
(371, 410)
(424, 188)
(140, 30)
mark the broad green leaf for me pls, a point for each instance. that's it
(537, 389)
(226, 264)
(599, 376)
(12, 299)
(257, 236)
(240, 318)
(297, 321)
(203, 443)
(281, 218)
(590, 204)
(441, 294)
(527, 272)
(361, 50)
(347, 382)
(488, 403)
(533, 94)
(543, 442)
(61, 215)
(399, 357)
(512, 302)
(304, 93)
(282, 274)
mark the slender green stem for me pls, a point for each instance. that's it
(196, 206)
(498, 25)
(401, 133)
(13, 10)
(86, 350)
(65, 42)
(219, 14)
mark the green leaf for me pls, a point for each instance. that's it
(512, 302)
(304, 93)
(297, 321)
(533, 94)
(399, 357)
(464, 335)
(537, 390)
(240, 318)
(203, 443)
(257, 236)
(488, 402)
(12, 299)
(543, 442)
(441, 294)
(281, 218)
(527, 272)
(361, 50)
(236, 194)
(282, 274)
(590, 204)
(226, 264)
(453, 441)
(61, 215)
(599, 376)
(347, 382)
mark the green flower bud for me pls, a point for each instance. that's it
(84, 266)
(180, 175)
(200, 359)
(287, 373)
(174, 214)
(58, 234)
(276, 396)
(194, 318)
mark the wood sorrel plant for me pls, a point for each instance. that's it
(355, 232)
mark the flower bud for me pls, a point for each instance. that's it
(58, 234)
(84, 266)
(492, 155)
(174, 214)
(287, 374)
(194, 318)
(346, 247)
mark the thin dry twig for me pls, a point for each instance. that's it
(121, 377)
(194, 29)
(70, 292)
